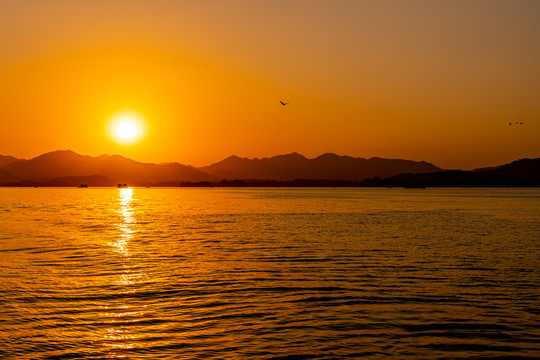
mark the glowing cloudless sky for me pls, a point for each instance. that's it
(425, 80)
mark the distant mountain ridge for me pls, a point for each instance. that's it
(5, 160)
(519, 173)
(54, 166)
(327, 166)
(67, 168)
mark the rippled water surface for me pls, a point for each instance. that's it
(269, 273)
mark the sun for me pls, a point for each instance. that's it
(126, 127)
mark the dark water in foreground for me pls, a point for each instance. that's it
(269, 273)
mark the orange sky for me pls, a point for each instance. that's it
(422, 80)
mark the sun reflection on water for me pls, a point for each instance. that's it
(127, 220)
(121, 312)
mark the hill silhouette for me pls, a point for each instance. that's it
(529, 168)
(5, 160)
(67, 168)
(519, 173)
(6, 177)
(327, 166)
(53, 166)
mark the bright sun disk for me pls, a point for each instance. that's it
(127, 127)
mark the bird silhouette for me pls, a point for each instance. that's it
(283, 103)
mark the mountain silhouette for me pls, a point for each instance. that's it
(525, 168)
(6, 177)
(118, 169)
(67, 168)
(327, 166)
(5, 160)
(519, 173)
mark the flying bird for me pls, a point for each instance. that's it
(283, 103)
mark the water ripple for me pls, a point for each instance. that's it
(269, 274)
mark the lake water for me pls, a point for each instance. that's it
(258, 273)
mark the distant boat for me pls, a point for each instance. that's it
(122, 186)
(83, 185)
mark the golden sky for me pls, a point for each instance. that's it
(422, 80)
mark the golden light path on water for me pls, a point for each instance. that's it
(118, 336)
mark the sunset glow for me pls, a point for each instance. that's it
(284, 179)
(408, 80)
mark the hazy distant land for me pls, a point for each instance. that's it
(67, 168)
